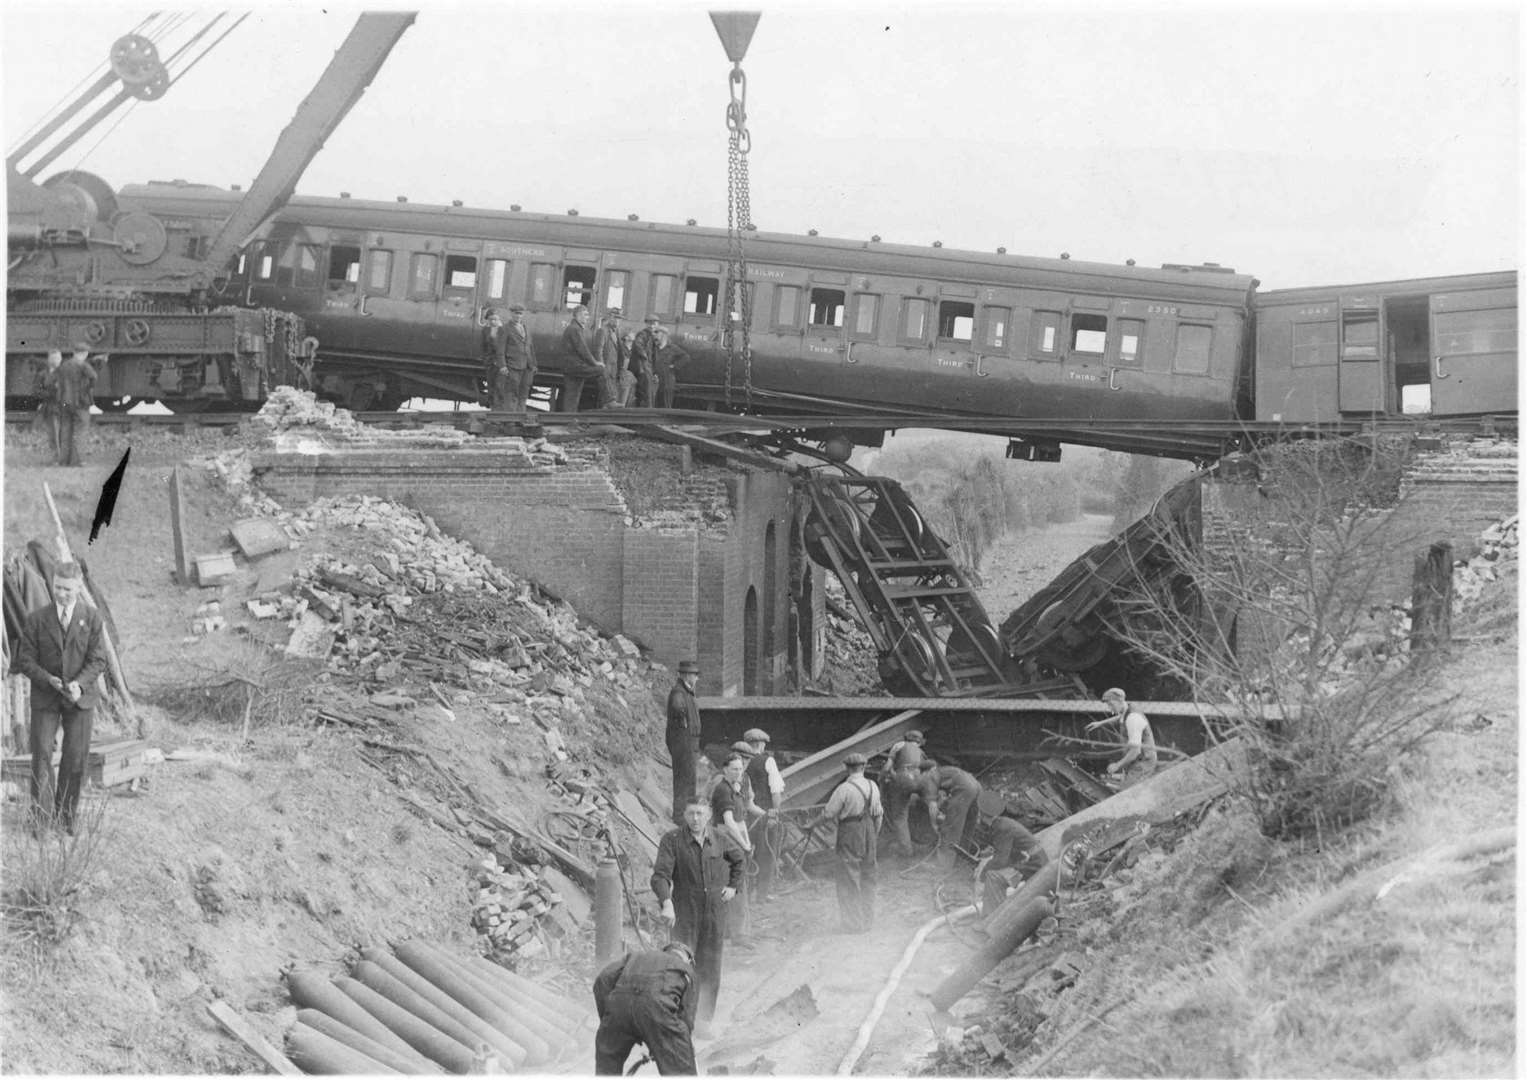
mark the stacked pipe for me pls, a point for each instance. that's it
(420, 1010)
(507, 910)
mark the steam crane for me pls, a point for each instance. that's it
(139, 289)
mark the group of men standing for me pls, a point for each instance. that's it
(625, 368)
(67, 394)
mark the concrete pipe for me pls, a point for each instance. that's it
(563, 1006)
(317, 1053)
(607, 896)
(558, 1010)
(553, 1036)
(327, 1025)
(959, 982)
(512, 1053)
(311, 990)
(450, 979)
(428, 1040)
(374, 978)
(1043, 883)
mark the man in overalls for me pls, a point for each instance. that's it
(854, 807)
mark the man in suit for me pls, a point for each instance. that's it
(72, 397)
(579, 364)
(607, 352)
(683, 735)
(62, 651)
(519, 361)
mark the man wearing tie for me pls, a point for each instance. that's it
(62, 652)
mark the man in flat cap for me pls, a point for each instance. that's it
(648, 997)
(519, 364)
(607, 351)
(854, 807)
(643, 349)
(769, 795)
(490, 347)
(72, 399)
(1139, 759)
(900, 779)
(683, 735)
(579, 364)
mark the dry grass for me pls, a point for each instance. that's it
(1226, 973)
(46, 873)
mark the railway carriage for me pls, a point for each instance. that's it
(395, 295)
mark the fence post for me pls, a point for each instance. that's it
(1431, 602)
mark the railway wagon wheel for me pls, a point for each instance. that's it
(136, 332)
(839, 524)
(95, 332)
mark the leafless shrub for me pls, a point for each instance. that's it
(1283, 616)
(46, 870)
(249, 689)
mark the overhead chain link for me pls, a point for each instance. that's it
(739, 219)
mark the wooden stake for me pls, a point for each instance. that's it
(236, 1026)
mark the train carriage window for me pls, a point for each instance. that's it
(956, 320)
(379, 272)
(542, 278)
(914, 319)
(616, 286)
(578, 286)
(787, 307)
(866, 322)
(1046, 334)
(461, 271)
(1194, 344)
(497, 274)
(1359, 335)
(1089, 333)
(1473, 333)
(994, 327)
(702, 296)
(344, 264)
(421, 275)
(1131, 342)
(1314, 344)
(307, 265)
(826, 308)
(664, 289)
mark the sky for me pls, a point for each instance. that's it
(1300, 144)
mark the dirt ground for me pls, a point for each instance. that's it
(291, 849)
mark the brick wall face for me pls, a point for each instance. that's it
(661, 591)
(680, 590)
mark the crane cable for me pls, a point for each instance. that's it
(739, 219)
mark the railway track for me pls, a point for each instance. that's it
(1199, 435)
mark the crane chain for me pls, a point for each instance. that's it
(739, 219)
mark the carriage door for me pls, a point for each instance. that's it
(342, 279)
(1362, 382)
(456, 313)
(954, 334)
(1473, 352)
(825, 346)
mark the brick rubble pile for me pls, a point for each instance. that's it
(291, 416)
(1472, 577)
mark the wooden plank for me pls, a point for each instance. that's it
(236, 1026)
(178, 528)
(1090, 788)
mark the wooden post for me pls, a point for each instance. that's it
(178, 528)
(1431, 601)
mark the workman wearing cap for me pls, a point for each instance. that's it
(854, 808)
(683, 735)
(519, 363)
(957, 791)
(695, 874)
(72, 399)
(667, 358)
(768, 795)
(579, 364)
(607, 352)
(650, 998)
(62, 651)
(1012, 845)
(732, 811)
(900, 780)
(643, 349)
(490, 346)
(1139, 759)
